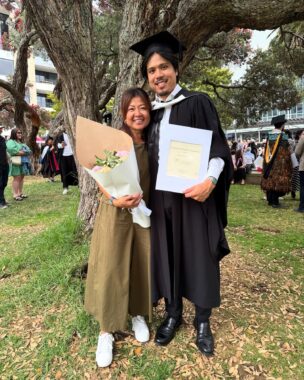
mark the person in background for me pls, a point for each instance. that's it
(248, 159)
(254, 149)
(118, 279)
(300, 154)
(295, 179)
(16, 147)
(49, 163)
(239, 167)
(68, 169)
(277, 167)
(4, 169)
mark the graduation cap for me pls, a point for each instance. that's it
(278, 120)
(163, 42)
(158, 42)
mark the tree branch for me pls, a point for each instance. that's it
(18, 97)
(227, 87)
(295, 38)
(201, 59)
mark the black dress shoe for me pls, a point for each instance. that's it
(279, 206)
(204, 338)
(298, 210)
(166, 331)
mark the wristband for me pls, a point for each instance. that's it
(111, 199)
(213, 180)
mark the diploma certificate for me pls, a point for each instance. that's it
(183, 157)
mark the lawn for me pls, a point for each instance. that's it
(45, 333)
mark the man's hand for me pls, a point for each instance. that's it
(128, 201)
(201, 191)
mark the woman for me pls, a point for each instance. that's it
(118, 280)
(50, 166)
(16, 147)
(239, 167)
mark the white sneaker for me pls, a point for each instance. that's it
(65, 191)
(104, 352)
(140, 329)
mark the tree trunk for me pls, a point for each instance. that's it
(65, 29)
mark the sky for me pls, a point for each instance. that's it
(259, 40)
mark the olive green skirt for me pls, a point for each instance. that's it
(118, 281)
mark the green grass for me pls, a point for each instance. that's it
(45, 333)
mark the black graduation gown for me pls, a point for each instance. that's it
(187, 236)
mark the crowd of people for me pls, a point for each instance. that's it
(16, 161)
(248, 155)
(244, 157)
(57, 158)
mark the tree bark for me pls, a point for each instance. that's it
(65, 28)
(20, 78)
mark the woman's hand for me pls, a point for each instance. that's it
(201, 191)
(128, 201)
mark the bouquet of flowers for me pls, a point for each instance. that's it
(116, 170)
(111, 159)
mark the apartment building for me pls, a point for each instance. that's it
(42, 75)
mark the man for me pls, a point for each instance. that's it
(277, 166)
(4, 168)
(300, 154)
(188, 237)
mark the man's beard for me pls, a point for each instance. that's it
(163, 93)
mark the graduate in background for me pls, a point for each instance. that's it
(50, 166)
(277, 166)
(187, 230)
(68, 169)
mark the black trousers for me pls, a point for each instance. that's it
(3, 181)
(273, 197)
(69, 175)
(175, 310)
(301, 205)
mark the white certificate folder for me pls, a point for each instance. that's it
(183, 157)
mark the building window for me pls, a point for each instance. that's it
(45, 77)
(6, 67)
(43, 101)
(300, 112)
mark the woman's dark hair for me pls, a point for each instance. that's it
(14, 135)
(238, 154)
(126, 98)
(165, 53)
(234, 146)
(298, 134)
